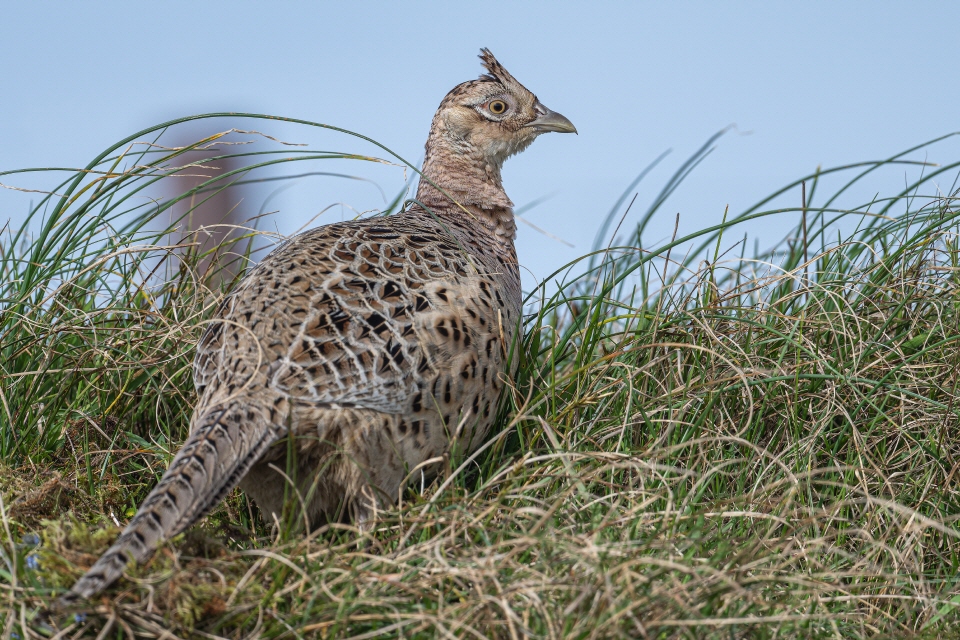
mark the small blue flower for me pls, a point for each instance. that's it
(14, 635)
(33, 562)
(31, 540)
(79, 618)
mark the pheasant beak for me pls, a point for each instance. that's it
(551, 121)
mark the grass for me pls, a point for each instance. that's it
(699, 442)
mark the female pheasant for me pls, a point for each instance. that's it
(374, 342)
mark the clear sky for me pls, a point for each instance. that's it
(806, 84)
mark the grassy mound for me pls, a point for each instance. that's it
(698, 443)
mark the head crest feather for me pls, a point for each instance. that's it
(495, 70)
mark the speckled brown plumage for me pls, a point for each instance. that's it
(376, 342)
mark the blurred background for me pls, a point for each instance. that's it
(797, 86)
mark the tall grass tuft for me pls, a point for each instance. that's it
(700, 442)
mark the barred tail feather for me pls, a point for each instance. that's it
(224, 444)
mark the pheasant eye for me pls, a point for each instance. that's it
(498, 106)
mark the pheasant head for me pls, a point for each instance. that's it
(480, 124)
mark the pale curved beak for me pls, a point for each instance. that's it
(552, 121)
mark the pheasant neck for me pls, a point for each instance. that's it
(469, 184)
(497, 224)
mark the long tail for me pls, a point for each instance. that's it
(226, 441)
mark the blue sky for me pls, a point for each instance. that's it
(806, 84)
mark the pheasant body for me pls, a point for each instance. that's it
(393, 341)
(375, 343)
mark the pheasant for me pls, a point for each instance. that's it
(375, 343)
